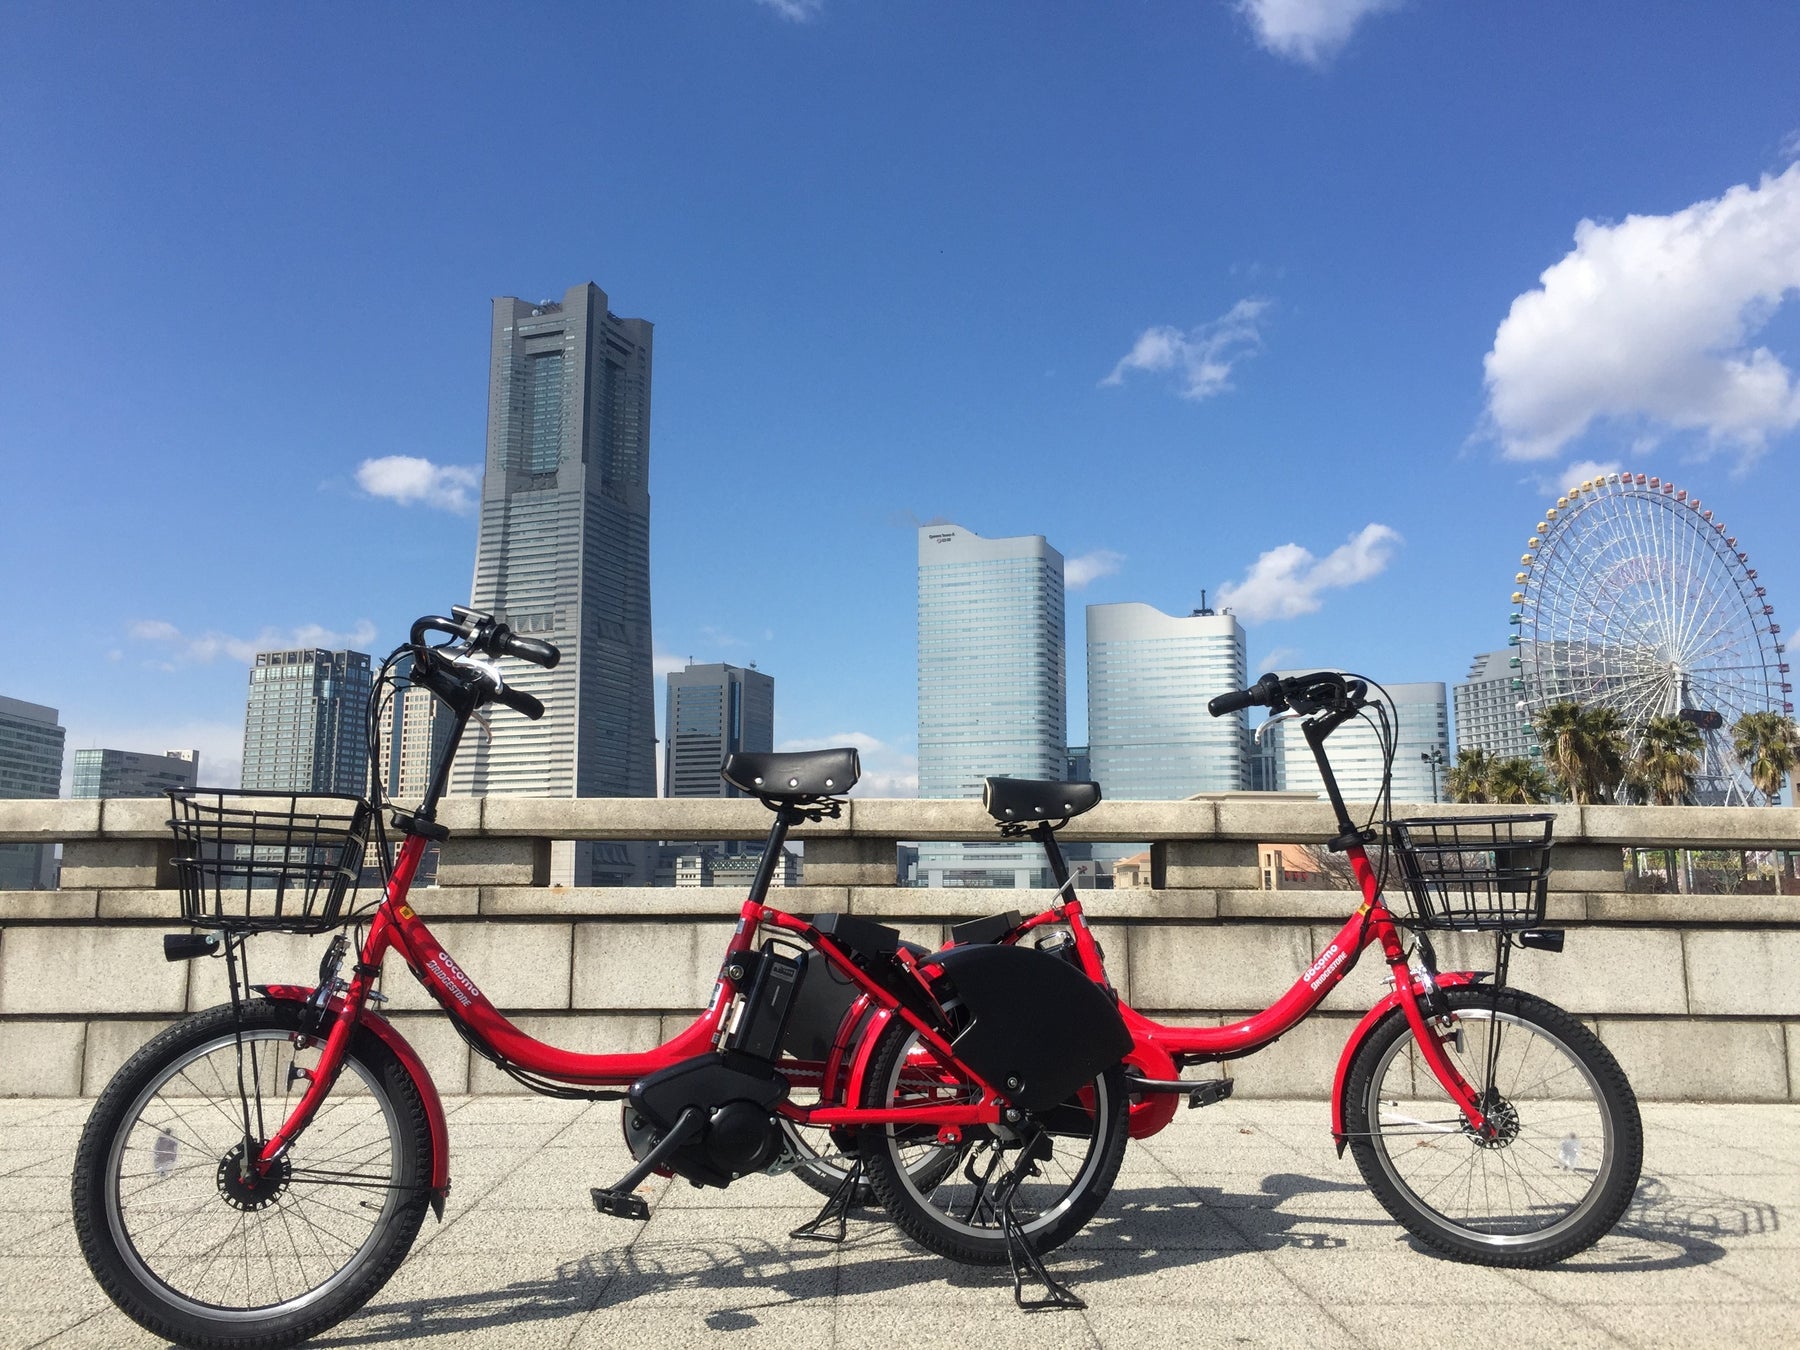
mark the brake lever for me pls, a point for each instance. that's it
(1288, 715)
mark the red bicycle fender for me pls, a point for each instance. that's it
(865, 1051)
(1447, 979)
(415, 1067)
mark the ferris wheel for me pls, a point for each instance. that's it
(1633, 597)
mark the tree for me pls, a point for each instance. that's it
(1468, 777)
(1768, 744)
(1584, 750)
(1667, 758)
(1519, 782)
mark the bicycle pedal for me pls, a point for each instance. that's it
(621, 1204)
(1211, 1093)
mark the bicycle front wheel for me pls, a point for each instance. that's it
(1563, 1164)
(195, 1252)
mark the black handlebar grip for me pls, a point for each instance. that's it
(1262, 692)
(521, 702)
(509, 643)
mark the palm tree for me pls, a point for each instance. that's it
(1768, 744)
(1584, 750)
(1667, 757)
(1519, 782)
(1468, 777)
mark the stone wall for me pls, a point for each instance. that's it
(1698, 996)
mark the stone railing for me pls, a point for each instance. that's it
(1699, 996)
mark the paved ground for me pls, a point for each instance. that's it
(1236, 1226)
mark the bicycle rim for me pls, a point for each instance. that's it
(1546, 1173)
(219, 1255)
(962, 1190)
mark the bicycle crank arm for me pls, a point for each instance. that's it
(618, 1199)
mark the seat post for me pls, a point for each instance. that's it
(786, 814)
(1045, 834)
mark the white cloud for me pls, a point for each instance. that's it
(221, 744)
(409, 480)
(1285, 582)
(799, 11)
(1582, 470)
(1090, 567)
(1276, 659)
(661, 663)
(887, 770)
(1204, 357)
(1309, 31)
(205, 648)
(1652, 318)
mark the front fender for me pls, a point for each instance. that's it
(1445, 980)
(385, 1031)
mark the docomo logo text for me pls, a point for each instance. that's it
(1329, 960)
(451, 976)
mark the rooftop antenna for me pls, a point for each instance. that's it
(1203, 610)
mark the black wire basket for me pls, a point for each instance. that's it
(1486, 873)
(263, 862)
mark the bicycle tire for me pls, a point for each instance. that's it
(1537, 1195)
(371, 1137)
(923, 1201)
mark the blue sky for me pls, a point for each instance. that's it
(1178, 285)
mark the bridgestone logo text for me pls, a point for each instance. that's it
(1329, 960)
(450, 975)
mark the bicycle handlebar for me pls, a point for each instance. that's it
(481, 636)
(1321, 691)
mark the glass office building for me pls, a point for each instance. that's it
(714, 710)
(130, 773)
(992, 695)
(306, 728)
(1422, 738)
(31, 755)
(1490, 707)
(1149, 678)
(564, 555)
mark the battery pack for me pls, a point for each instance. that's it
(767, 1005)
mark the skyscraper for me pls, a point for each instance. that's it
(418, 729)
(1422, 728)
(714, 711)
(130, 773)
(992, 693)
(564, 555)
(31, 754)
(306, 728)
(1150, 676)
(1489, 711)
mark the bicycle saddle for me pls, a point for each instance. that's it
(1014, 799)
(795, 776)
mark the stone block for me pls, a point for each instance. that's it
(1151, 902)
(517, 965)
(1700, 1059)
(1746, 827)
(47, 820)
(1739, 972)
(580, 1033)
(141, 903)
(271, 958)
(647, 965)
(494, 862)
(41, 1059)
(639, 901)
(63, 904)
(87, 971)
(1223, 966)
(134, 818)
(109, 1044)
(1309, 904)
(1792, 1029)
(1282, 818)
(1300, 1064)
(118, 862)
(1206, 865)
(1587, 867)
(852, 862)
(1690, 910)
(1601, 970)
(432, 901)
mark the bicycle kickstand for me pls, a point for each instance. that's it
(1056, 1293)
(837, 1208)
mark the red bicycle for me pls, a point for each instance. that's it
(256, 1172)
(1490, 1123)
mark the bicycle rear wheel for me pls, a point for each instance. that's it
(1564, 1164)
(193, 1252)
(944, 1195)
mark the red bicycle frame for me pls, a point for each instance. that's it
(397, 927)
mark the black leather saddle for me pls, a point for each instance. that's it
(796, 776)
(1010, 800)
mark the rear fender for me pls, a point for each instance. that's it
(1448, 979)
(384, 1031)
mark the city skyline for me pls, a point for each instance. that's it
(1328, 362)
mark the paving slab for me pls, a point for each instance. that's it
(1237, 1226)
